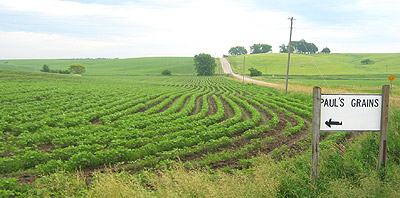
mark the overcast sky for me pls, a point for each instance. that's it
(147, 28)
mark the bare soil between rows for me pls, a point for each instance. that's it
(266, 148)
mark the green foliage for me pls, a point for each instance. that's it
(238, 50)
(166, 72)
(326, 50)
(269, 139)
(77, 68)
(255, 72)
(46, 68)
(204, 64)
(304, 47)
(367, 61)
(301, 47)
(114, 124)
(9, 187)
(283, 48)
(260, 48)
(60, 71)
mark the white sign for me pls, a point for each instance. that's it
(347, 112)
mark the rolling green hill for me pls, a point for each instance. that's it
(131, 66)
(317, 64)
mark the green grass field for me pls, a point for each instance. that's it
(318, 64)
(328, 71)
(131, 66)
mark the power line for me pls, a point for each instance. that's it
(315, 64)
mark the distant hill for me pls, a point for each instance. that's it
(131, 66)
(316, 64)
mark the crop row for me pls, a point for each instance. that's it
(136, 122)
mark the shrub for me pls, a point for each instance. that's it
(367, 61)
(166, 72)
(255, 72)
(46, 68)
(76, 68)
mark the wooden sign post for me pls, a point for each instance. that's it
(349, 112)
(384, 129)
(316, 121)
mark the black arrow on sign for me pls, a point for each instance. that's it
(329, 123)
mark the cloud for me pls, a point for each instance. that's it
(187, 28)
(39, 45)
(55, 7)
(381, 7)
(179, 28)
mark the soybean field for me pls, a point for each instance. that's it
(51, 122)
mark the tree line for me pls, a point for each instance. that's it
(301, 47)
(73, 68)
(204, 64)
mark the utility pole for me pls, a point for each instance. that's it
(244, 63)
(289, 48)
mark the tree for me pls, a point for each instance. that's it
(45, 68)
(204, 64)
(76, 68)
(260, 48)
(367, 61)
(326, 50)
(238, 50)
(304, 47)
(255, 72)
(166, 72)
(283, 49)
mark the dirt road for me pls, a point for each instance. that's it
(226, 66)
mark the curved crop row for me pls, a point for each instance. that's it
(140, 122)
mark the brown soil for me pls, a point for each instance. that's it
(246, 114)
(169, 104)
(6, 154)
(229, 113)
(184, 104)
(48, 148)
(212, 106)
(199, 104)
(151, 106)
(96, 122)
(23, 178)
(265, 116)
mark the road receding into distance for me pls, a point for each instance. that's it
(226, 67)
